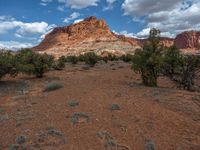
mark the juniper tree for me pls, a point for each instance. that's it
(148, 60)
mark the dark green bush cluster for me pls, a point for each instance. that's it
(155, 60)
(60, 63)
(7, 64)
(126, 58)
(89, 58)
(181, 68)
(32, 63)
(28, 62)
(148, 61)
(110, 57)
(72, 59)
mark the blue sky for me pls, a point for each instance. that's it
(24, 23)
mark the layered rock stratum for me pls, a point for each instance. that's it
(188, 41)
(94, 34)
(90, 34)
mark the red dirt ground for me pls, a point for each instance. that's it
(167, 116)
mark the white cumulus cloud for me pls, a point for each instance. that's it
(22, 28)
(73, 16)
(14, 45)
(109, 5)
(78, 20)
(170, 16)
(79, 4)
(30, 32)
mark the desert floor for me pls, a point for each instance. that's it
(79, 115)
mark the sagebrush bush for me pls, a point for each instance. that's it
(20, 139)
(115, 107)
(52, 86)
(73, 103)
(77, 115)
(150, 145)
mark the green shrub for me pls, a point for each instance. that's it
(72, 59)
(29, 62)
(171, 61)
(14, 147)
(77, 115)
(126, 58)
(73, 103)
(91, 58)
(7, 64)
(115, 107)
(60, 63)
(20, 139)
(112, 57)
(149, 60)
(150, 145)
(53, 86)
(181, 68)
(189, 66)
(81, 58)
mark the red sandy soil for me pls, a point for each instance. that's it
(167, 116)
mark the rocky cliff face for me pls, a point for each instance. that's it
(188, 40)
(89, 35)
(94, 35)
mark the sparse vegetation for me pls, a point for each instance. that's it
(60, 63)
(115, 107)
(77, 115)
(20, 139)
(14, 147)
(52, 86)
(126, 58)
(53, 131)
(112, 57)
(72, 59)
(90, 58)
(73, 103)
(150, 145)
(109, 141)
